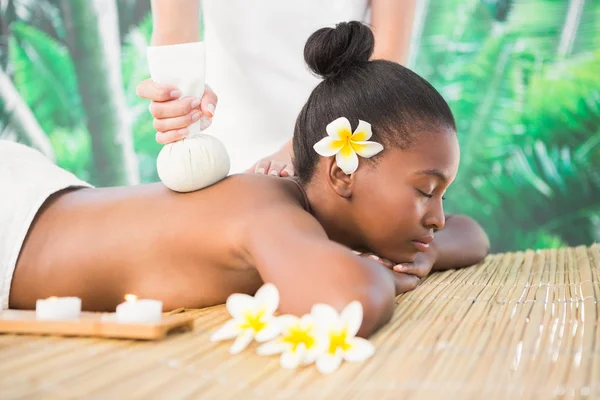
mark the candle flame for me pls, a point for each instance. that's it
(52, 298)
(130, 297)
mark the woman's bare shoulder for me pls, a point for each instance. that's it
(262, 189)
(271, 203)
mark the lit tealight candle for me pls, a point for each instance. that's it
(135, 311)
(57, 308)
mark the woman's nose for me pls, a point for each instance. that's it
(435, 218)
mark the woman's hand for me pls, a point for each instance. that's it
(173, 114)
(406, 275)
(386, 263)
(421, 267)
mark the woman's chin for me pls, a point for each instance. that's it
(406, 256)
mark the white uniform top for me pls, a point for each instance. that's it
(255, 65)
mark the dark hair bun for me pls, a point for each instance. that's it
(330, 51)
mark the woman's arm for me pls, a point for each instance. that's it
(392, 23)
(175, 22)
(461, 243)
(291, 250)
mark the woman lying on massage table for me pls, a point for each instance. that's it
(375, 150)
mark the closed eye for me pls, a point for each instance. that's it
(429, 196)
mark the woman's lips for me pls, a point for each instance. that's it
(422, 244)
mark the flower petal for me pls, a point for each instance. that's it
(327, 363)
(310, 357)
(242, 341)
(347, 159)
(291, 359)
(270, 331)
(366, 149)
(352, 316)
(268, 297)
(328, 146)
(273, 347)
(325, 316)
(237, 304)
(339, 129)
(316, 351)
(306, 321)
(286, 321)
(362, 132)
(228, 331)
(360, 349)
(322, 334)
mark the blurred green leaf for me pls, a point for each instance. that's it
(44, 75)
(73, 151)
(528, 119)
(135, 70)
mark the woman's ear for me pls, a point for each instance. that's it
(338, 180)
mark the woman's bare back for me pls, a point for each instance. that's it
(185, 249)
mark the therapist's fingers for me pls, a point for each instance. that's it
(205, 122)
(174, 108)
(287, 171)
(170, 124)
(171, 136)
(151, 90)
(276, 167)
(262, 167)
(209, 102)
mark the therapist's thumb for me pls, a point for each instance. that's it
(151, 90)
(209, 102)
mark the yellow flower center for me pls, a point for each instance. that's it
(297, 335)
(254, 321)
(338, 339)
(345, 135)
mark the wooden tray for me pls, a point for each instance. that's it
(93, 324)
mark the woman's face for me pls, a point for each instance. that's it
(398, 204)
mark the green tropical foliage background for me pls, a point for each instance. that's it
(523, 80)
(521, 76)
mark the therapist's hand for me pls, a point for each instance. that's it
(173, 113)
(277, 164)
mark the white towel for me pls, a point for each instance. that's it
(27, 179)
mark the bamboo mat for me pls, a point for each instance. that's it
(519, 325)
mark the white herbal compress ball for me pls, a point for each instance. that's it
(199, 160)
(192, 163)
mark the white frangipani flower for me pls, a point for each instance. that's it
(252, 318)
(299, 343)
(345, 145)
(340, 331)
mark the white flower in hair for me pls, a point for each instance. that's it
(347, 146)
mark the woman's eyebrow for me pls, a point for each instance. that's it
(433, 172)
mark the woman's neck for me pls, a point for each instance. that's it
(333, 214)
